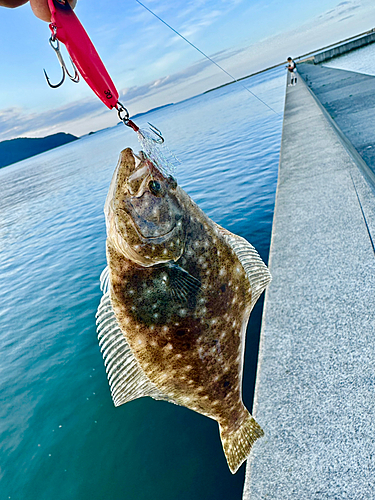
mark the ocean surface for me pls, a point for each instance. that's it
(60, 435)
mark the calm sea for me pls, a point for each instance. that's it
(61, 436)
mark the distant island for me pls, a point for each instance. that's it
(19, 149)
(133, 117)
(151, 110)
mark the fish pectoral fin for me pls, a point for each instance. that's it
(126, 378)
(182, 286)
(256, 270)
(237, 443)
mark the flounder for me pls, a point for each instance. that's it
(177, 296)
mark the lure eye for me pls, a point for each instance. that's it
(155, 188)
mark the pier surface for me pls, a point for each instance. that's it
(315, 386)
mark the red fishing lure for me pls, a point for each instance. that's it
(66, 28)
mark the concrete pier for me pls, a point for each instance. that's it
(343, 48)
(315, 390)
(349, 99)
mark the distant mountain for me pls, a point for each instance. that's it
(18, 149)
(151, 110)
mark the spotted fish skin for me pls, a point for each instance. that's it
(182, 298)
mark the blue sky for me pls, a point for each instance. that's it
(148, 63)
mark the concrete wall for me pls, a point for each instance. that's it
(348, 99)
(345, 47)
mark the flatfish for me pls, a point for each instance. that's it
(177, 296)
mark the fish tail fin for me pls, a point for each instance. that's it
(237, 443)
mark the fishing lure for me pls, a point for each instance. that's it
(67, 29)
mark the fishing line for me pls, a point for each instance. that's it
(206, 56)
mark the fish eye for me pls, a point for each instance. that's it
(155, 188)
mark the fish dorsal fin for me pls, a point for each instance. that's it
(256, 270)
(182, 285)
(126, 378)
(104, 280)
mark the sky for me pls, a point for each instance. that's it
(149, 64)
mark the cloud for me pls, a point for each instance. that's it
(188, 18)
(199, 23)
(15, 122)
(155, 86)
(345, 18)
(340, 12)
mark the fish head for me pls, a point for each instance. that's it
(145, 220)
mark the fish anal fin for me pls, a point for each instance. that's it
(256, 270)
(237, 443)
(126, 378)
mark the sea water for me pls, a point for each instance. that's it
(60, 435)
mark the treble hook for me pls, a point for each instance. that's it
(123, 115)
(157, 132)
(56, 48)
